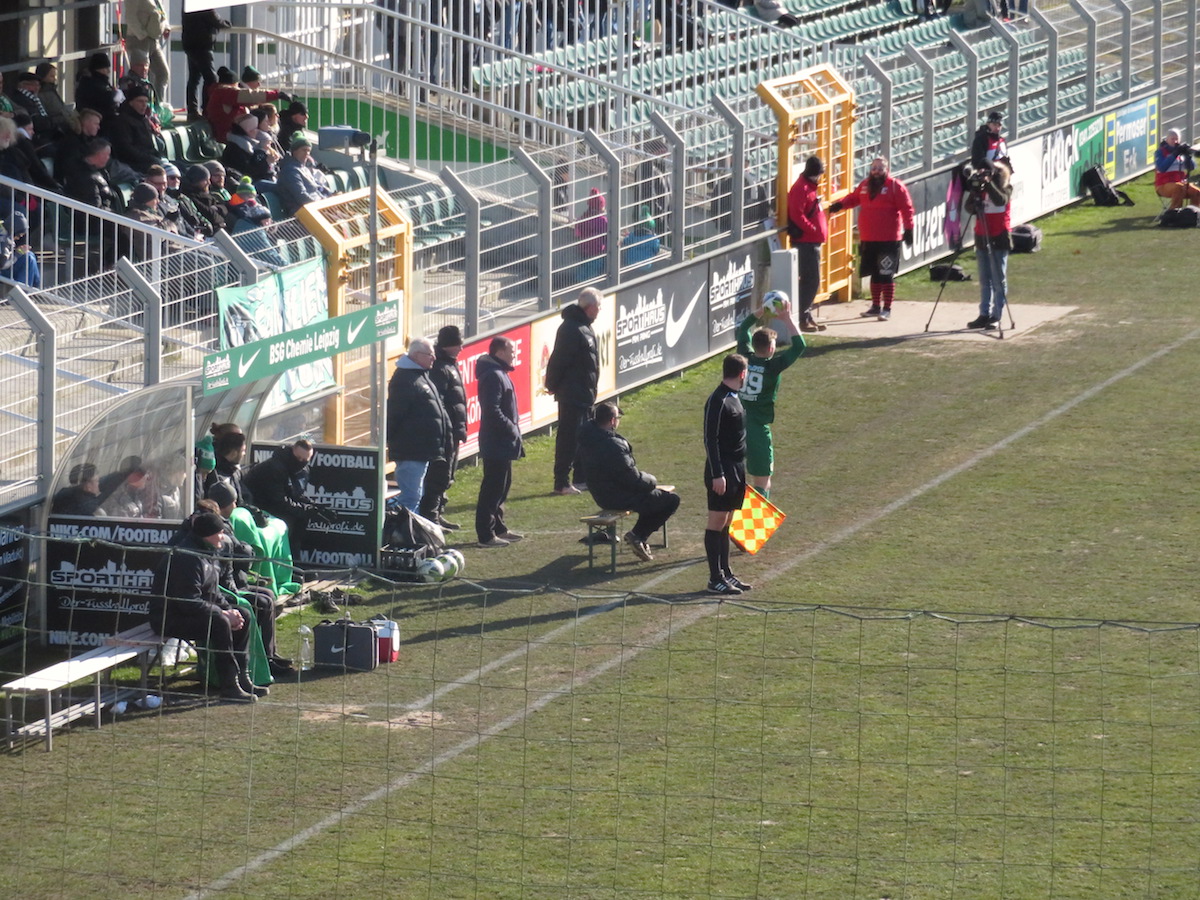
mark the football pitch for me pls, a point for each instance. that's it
(969, 666)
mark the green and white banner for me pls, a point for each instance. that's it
(302, 346)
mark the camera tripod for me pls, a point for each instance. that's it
(980, 203)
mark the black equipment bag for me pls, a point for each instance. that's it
(1095, 180)
(345, 645)
(1184, 217)
(1026, 239)
(948, 272)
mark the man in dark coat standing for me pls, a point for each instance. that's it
(199, 38)
(499, 441)
(447, 379)
(572, 374)
(418, 428)
(186, 602)
(617, 483)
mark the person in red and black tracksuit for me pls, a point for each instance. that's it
(991, 206)
(807, 231)
(885, 217)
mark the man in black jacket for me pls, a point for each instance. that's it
(132, 133)
(186, 602)
(199, 37)
(499, 441)
(418, 428)
(276, 485)
(572, 374)
(617, 483)
(447, 379)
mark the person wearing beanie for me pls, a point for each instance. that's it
(591, 232)
(186, 602)
(293, 120)
(243, 156)
(807, 231)
(640, 244)
(95, 90)
(196, 187)
(300, 181)
(251, 78)
(206, 461)
(447, 381)
(27, 96)
(228, 101)
(199, 39)
(191, 222)
(989, 145)
(250, 220)
(133, 133)
(56, 108)
(147, 31)
(216, 183)
(144, 208)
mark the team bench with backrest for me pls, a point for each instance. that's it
(138, 643)
(604, 522)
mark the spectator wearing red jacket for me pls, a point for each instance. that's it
(885, 218)
(807, 231)
(227, 101)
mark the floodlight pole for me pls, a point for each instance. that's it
(378, 348)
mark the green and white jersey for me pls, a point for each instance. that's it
(762, 374)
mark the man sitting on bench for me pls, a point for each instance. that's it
(616, 482)
(186, 602)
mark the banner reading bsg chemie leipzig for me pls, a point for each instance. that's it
(343, 481)
(99, 575)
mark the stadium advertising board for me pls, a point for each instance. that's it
(1131, 135)
(1089, 151)
(14, 570)
(284, 301)
(343, 481)
(522, 377)
(662, 325)
(731, 279)
(99, 576)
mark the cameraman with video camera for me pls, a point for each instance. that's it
(988, 192)
(1172, 163)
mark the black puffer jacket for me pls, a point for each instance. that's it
(613, 477)
(276, 485)
(499, 418)
(573, 370)
(417, 425)
(447, 378)
(186, 583)
(132, 137)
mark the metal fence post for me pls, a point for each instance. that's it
(246, 269)
(471, 264)
(678, 196)
(151, 320)
(545, 227)
(1089, 21)
(47, 339)
(613, 164)
(877, 72)
(927, 93)
(737, 162)
(1051, 65)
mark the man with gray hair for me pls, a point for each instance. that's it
(572, 376)
(418, 428)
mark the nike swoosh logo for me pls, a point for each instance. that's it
(353, 330)
(245, 364)
(337, 649)
(676, 327)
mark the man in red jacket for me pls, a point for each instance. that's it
(807, 231)
(885, 217)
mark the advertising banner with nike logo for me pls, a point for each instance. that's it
(661, 325)
(311, 343)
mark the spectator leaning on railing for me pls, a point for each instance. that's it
(227, 101)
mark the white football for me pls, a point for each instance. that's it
(459, 559)
(773, 303)
(449, 566)
(430, 570)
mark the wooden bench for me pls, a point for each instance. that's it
(139, 642)
(605, 522)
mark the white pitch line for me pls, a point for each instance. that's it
(682, 620)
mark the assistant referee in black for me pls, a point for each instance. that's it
(724, 472)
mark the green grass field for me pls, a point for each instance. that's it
(956, 676)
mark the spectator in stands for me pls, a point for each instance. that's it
(418, 427)
(277, 484)
(147, 31)
(144, 208)
(199, 38)
(6, 107)
(186, 602)
(572, 377)
(249, 222)
(294, 119)
(680, 29)
(191, 222)
(988, 144)
(28, 95)
(447, 379)
(243, 156)
(88, 183)
(25, 154)
(168, 208)
(653, 185)
(94, 89)
(81, 497)
(136, 78)
(268, 130)
(24, 269)
(807, 231)
(227, 102)
(885, 218)
(775, 11)
(196, 188)
(616, 482)
(216, 184)
(133, 134)
(300, 181)
(591, 231)
(640, 244)
(1172, 164)
(56, 108)
(499, 441)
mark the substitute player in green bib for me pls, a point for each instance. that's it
(762, 380)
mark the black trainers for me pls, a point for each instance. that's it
(991, 325)
(884, 315)
(738, 583)
(723, 587)
(872, 312)
(234, 694)
(981, 322)
(449, 526)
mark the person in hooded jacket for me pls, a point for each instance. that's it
(616, 482)
(418, 428)
(499, 441)
(210, 208)
(447, 379)
(95, 90)
(572, 376)
(242, 156)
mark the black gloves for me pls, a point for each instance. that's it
(835, 207)
(324, 515)
(908, 237)
(260, 517)
(284, 96)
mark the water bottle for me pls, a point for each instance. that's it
(306, 648)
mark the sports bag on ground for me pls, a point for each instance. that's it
(1095, 180)
(345, 645)
(1026, 239)
(948, 272)
(1184, 217)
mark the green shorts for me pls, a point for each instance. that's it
(760, 455)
